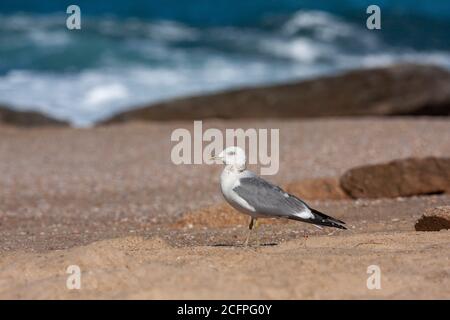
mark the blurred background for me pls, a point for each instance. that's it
(129, 53)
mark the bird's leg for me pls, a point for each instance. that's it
(250, 227)
(256, 230)
(305, 236)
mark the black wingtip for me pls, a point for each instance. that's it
(325, 220)
(339, 226)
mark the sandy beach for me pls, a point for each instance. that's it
(109, 200)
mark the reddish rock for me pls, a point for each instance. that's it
(434, 219)
(218, 216)
(28, 119)
(317, 189)
(399, 178)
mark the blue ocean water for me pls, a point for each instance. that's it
(130, 53)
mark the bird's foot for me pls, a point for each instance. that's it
(246, 241)
(305, 237)
(258, 244)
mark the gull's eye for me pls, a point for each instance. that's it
(231, 153)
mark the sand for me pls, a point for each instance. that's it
(327, 267)
(109, 200)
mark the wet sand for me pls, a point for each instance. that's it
(108, 199)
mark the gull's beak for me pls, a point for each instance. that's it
(215, 158)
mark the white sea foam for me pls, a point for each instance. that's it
(325, 25)
(301, 49)
(102, 94)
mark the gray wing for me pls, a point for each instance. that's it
(268, 199)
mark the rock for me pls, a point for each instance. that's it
(397, 90)
(317, 189)
(27, 118)
(399, 178)
(434, 219)
(218, 216)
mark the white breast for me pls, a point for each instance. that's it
(229, 179)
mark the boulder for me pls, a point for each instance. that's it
(434, 219)
(405, 89)
(217, 216)
(399, 178)
(317, 189)
(27, 118)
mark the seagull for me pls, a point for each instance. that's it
(250, 194)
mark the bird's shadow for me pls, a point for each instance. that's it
(228, 245)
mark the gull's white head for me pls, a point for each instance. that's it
(232, 156)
